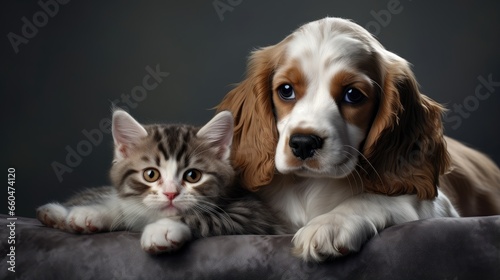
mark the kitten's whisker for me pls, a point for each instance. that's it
(135, 210)
(225, 217)
(210, 207)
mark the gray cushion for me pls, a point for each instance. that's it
(446, 248)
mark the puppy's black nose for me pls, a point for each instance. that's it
(304, 145)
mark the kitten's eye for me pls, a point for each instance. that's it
(192, 175)
(286, 92)
(151, 174)
(353, 95)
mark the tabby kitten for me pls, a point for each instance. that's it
(173, 182)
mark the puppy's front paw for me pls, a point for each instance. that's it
(86, 219)
(164, 236)
(52, 215)
(332, 235)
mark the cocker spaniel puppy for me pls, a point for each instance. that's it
(331, 130)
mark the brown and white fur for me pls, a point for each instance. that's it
(332, 130)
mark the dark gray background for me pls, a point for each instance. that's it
(63, 80)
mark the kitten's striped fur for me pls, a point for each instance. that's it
(167, 178)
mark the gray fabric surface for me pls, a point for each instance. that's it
(461, 248)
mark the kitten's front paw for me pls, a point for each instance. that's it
(86, 219)
(332, 235)
(53, 215)
(164, 236)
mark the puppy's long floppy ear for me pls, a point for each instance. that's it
(405, 145)
(255, 133)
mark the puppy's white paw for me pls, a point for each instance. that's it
(87, 219)
(332, 235)
(164, 236)
(52, 215)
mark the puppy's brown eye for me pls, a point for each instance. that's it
(192, 175)
(353, 96)
(286, 92)
(151, 174)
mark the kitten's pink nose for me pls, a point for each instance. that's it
(171, 195)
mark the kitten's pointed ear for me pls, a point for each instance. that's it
(127, 132)
(219, 132)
